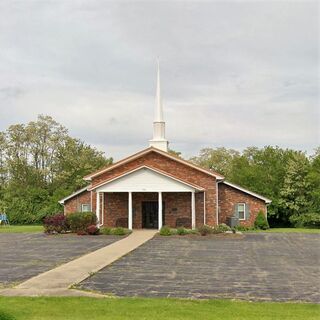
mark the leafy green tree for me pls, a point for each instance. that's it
(40, 164)
(175, 153)
(295, 192)
(314, 181)
(75, 160)
(218, 159)
(287, 177)
(263, 171)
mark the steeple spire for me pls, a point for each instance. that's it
(159, 141)
(158, 115)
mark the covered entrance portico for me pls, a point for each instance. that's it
(145, 198)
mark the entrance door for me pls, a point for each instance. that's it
(150, 214)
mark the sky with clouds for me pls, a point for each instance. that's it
(233, 73)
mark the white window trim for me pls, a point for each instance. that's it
(85, 204)
(244, 211)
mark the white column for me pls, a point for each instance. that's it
(193, 210)
(204, 208)
(160, 210)
(130, 210)
(98, 206)
(102, 215)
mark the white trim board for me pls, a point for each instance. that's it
(266, 200)
(73, 194)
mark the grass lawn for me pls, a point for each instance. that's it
(79, 308)
(288, 230)
(20, 229)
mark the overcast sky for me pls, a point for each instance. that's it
(233, 74)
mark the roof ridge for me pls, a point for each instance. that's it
(150, 149)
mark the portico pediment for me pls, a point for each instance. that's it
(146, 179)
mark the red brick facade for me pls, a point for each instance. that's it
(74, 204)
(229, 197)
(177, 205)
(176, 169)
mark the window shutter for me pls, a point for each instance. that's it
(236, 213)
(247, 209)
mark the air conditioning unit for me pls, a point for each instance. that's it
(232, 222)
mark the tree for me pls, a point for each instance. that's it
(295, 193)
(40, 164)
(175, 153)
(287, 177)
(218, 159)
(314, 181)
(263, 171)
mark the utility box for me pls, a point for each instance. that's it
(232, 222)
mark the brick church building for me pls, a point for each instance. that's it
(153, 188)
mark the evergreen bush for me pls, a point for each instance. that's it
(182, 231)
(205, 230)
(261, 221)
(80, 221)
(165, 231)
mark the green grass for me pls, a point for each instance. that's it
(78, 308)
(20, 229)
(288, 230)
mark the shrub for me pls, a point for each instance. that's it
(182, 231)
(222, 228)
(205, 230)
(311, 220)
(93, 230)
(165, 231)
(119, 231)
(243, 228)
(55, 224)
(80, 221)
(106, 230)
(261, 221)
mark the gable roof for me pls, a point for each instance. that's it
(160, 172)
(266, 200)
(146, 151)
(74, 194)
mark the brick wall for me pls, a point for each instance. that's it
(176, 205)
(74, 204)
(229, 196)
(115, 207)
(176, 169)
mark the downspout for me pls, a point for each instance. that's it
(91, 208)
(204, 208)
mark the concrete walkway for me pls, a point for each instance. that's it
(57, 281)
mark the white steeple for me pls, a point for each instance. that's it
(159, 141)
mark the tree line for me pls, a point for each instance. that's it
(290, 178)
(40, 163)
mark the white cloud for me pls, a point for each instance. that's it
(234, 74)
